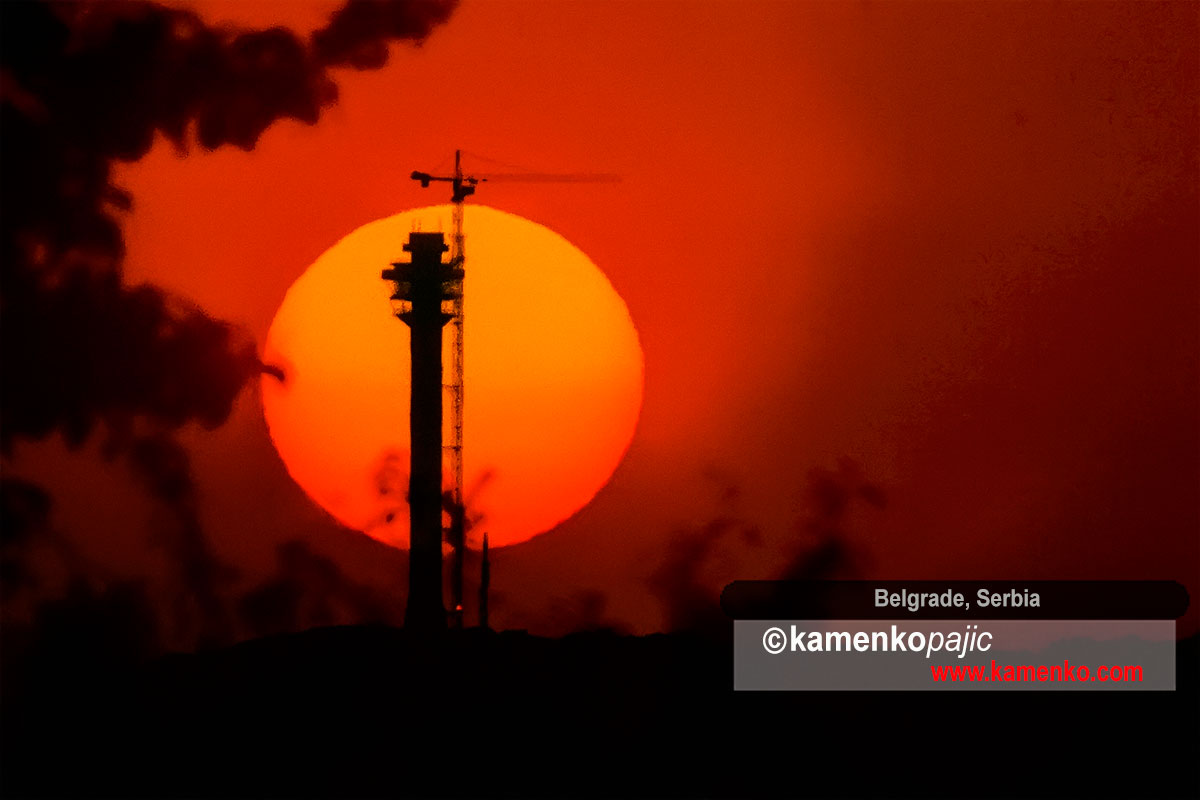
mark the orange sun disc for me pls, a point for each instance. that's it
(553, 378)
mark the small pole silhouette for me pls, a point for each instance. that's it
(485, 577)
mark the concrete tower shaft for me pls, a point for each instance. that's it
(424, 290)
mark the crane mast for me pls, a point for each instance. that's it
(463, 186)
(457, 533)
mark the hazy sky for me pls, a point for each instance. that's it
(954, 243)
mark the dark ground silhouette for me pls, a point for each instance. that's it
(369, 711)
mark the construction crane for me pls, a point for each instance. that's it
(462, 187)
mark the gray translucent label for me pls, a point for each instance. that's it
(938, 655)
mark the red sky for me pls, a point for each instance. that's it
(956, 243)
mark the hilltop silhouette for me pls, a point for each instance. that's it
(374, 711)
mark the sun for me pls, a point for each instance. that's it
(553, 378)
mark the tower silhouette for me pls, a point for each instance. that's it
(424, 292)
